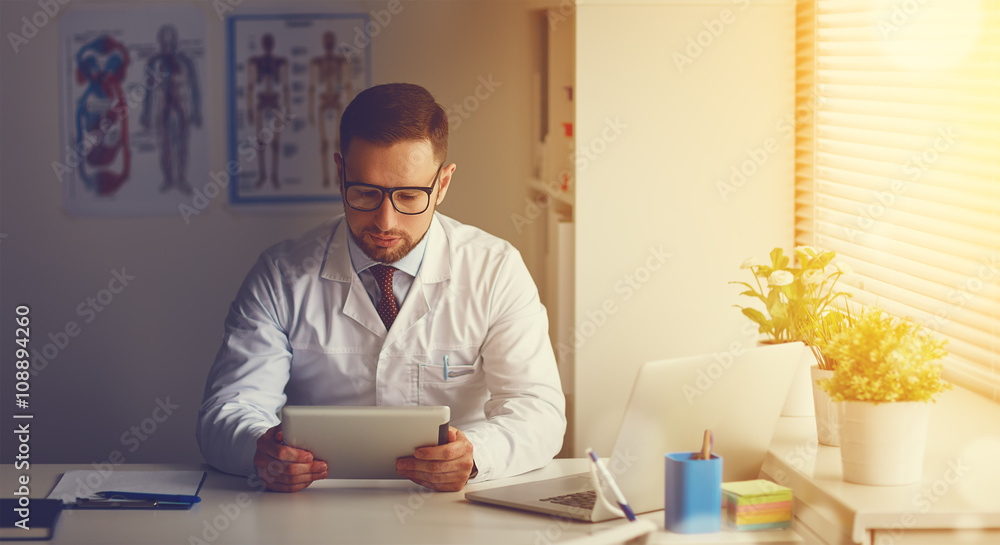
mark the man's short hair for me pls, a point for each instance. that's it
(395, 112)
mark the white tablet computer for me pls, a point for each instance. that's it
(363, 442)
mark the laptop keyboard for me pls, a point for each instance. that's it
(583, 500)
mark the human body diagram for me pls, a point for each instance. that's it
(330, 83)
(267, 96)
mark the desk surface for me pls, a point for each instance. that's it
(233, 511)
(958, 491)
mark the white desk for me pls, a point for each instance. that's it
(945, 508)
(231, 511)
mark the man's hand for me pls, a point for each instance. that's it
(443, 467)
(284, 468)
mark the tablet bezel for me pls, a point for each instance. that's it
(363, 442)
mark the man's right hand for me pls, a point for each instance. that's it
(284, 468)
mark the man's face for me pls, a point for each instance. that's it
(384, 234)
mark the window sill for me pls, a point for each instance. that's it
(959, 496)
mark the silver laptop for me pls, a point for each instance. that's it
(737, 396)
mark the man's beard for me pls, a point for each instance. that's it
(386, 255)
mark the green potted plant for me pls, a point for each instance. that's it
(798, 296)
(887, 372)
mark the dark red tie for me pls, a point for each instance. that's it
(386, 306)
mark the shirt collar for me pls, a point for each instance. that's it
(410, 263)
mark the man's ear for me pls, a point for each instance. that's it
(445, 182)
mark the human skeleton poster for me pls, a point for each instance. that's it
(290, 78)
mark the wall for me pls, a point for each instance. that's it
(153, 344)
(671, 97)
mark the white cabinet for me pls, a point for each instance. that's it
(552, 190)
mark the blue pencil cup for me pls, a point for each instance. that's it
(693, 487)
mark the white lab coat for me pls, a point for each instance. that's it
(303, 331)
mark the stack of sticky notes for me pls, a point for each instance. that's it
(756, 505)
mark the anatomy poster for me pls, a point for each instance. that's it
(290, 78)
(133, 135)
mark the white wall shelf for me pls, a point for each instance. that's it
(956, 502)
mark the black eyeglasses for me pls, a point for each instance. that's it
(406, 200)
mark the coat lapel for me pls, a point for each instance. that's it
(428, 286)
(357, 305)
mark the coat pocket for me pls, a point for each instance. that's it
(451, 366)
(459, 384)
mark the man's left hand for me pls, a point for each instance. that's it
(445, 468)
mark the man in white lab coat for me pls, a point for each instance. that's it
(326, 335)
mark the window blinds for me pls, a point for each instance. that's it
(898, 163)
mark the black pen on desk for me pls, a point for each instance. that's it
(170, 498)
(619, 497)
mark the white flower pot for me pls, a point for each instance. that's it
(883, 444)
(826, 410)
(799, 401)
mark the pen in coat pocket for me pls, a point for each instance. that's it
(452, 372)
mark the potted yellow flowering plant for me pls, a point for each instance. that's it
(799, 296)
(887, 371)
